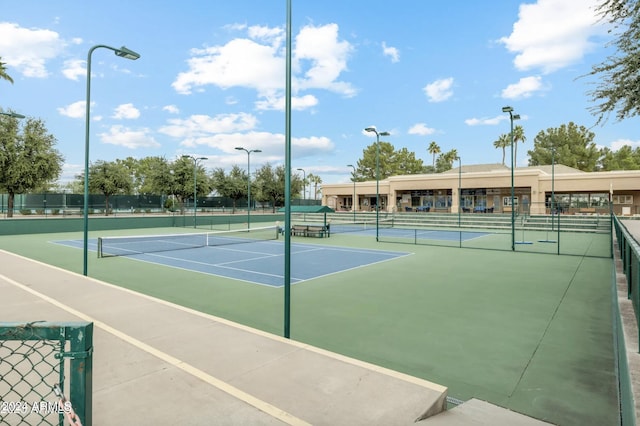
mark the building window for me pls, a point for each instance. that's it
(622, 199)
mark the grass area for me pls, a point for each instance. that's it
(527, 331)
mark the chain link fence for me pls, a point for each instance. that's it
(35, 359)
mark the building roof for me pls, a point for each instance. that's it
(498, 167)
(309, 209)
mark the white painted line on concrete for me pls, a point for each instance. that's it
(187, 368)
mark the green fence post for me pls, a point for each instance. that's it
(81, 372)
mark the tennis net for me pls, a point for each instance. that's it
(139, 244)
(340, 226)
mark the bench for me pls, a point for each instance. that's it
(318, 231)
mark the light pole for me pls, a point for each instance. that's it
(512, 117)
(378, 134)
(123, 52)
(353, 202)
(459, 188)
(195, 184)
(248, 151)
(304, 184)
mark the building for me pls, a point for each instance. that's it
(487, 188)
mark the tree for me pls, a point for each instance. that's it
(625, 158)
(269, 185)
(518, 136)
(234, 185)
(433, 149)
(391, 162)
(3, 72)
(183, 179)
(574, 147)
(503, 142)
(109, 178)
(619, 77)
(315, 181)
(445, 161)
(28, 159)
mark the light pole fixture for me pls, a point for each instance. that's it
(122, 52)
(378, 134)
(512, 117)
(304, 184)
(248, 151)
(353, 202)
(195, 184)
(12, 115)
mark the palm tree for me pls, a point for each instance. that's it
(434, 150)
(315, 180)
(518, 136)
(3, 72)
(503, 142)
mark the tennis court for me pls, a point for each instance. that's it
(528, 331)
(255, 256)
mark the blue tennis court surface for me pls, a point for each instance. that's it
(260, 262)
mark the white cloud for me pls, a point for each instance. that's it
(258, 62)
(123, 136)
(391, 52)
(327, 56)
(617, 144)
(421, 129)
(524, 88)
(74, 68)
(74, 110)
(126, 111)
(240, 62)
(439, 90)
(552, 34)
(28, 49)
(171, 109)
(297, 103)
(201, 125)
(485, 121)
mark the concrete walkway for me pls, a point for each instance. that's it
(157, 363)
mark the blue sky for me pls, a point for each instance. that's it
(212, 73)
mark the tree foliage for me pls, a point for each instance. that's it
(390, 162)
(270, 185)
(573, 145)
(617, 89)
(109, 178)
(28, 159)
(233, 185)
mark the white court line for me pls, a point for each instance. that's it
(225, 387)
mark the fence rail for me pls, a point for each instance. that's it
(35, 359)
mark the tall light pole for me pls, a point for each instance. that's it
(459, 188)
(304, 184)
(378, 134)
(195, 184)
(248, 151)
(353, 202)
(123, 52)
(512, 117)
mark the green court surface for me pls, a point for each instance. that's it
(528, 331)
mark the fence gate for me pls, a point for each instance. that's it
(35, 359)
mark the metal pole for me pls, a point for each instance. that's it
(459, 189)
(195, 192)
(353, 201)
(248, 190)
(513, 209)
(123, 52)
(287, 182)
(377, 185)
